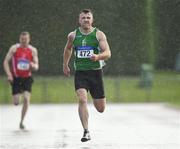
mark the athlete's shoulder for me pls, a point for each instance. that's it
(14, 47)
(33, 49)
(71, 35)
(100, 35)
(98, 31)
(31, 46)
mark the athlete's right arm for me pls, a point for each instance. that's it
(67, 53)
(6, 63)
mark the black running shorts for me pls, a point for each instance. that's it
(92, 81)
(20, 85)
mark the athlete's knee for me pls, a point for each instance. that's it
(26, 100)
(101, 109)
(16, 100)
(82, 95)
(16, 103)
(100, 104)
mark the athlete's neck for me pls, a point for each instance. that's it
(86, 30)
(24, 45)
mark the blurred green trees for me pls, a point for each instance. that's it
(138, 31)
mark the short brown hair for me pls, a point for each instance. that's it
(25, 33)
(86, 11)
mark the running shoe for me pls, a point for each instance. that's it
(21, 126)
(86, 136)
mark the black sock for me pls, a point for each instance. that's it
(86, 130)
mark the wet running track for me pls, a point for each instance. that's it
(121, 126)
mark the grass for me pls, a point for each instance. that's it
(166, 88)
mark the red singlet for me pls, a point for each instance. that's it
(21, 61)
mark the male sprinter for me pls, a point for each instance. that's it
(24, 58)
(91, 49)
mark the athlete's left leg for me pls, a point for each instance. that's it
(26, 101)
(100, 104)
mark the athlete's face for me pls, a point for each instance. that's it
(24, 39)
(86, 20)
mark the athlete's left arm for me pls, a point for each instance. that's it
(35, 63)
(104, 47)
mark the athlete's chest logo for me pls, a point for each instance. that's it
(84, 42)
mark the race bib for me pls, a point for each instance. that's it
(85, 52)
(23, 64)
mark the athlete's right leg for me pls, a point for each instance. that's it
(26, 100)
(16, 91)
(83, 112)
(82, 109)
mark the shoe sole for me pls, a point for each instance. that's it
(84, 140)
